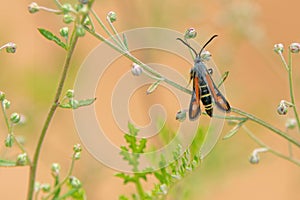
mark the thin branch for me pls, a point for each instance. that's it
(258, 141)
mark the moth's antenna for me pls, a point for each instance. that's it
(207, 44)
(189, 46)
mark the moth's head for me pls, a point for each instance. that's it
(197, 58)
(197, 55)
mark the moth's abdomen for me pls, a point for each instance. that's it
(206, 97)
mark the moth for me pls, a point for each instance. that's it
(204, 88)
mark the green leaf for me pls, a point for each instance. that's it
(126, 178)
(142, 145)
(74, 104)
(7, 163)
(131, 140)
(160, 177)
(153, 87)
(197, 142)
(234, 130)
(223, 78)
(86, 102)
(75, 193)
(50, 36)
(122, 197)
(132, 130)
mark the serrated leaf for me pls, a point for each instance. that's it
(160, 177)
(142, 145)
(153, 87)
(197, 142)
(131, 140)
(86, 102)
(126, 178)
(132, 130)
(122, 197)
(75, 193)
(223, 78)
(234, 130)
(7, 163)
(50, 36)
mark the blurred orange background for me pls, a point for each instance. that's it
(257, 82)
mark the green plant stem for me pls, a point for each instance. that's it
(266, 125)
(10, 131)
(116, 33)
(190, 50)
(5, 117)
(120, 45)
(139, 187)
(258, 141)
(64, 180)
(292, 96)
(283, 61)
(186, 90)
(50, 115)
(137, 61)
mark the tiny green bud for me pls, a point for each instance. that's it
(254, 159)
(15, 118)
(64, 32)
(55, 168)
(70, 94)
(74, 103)
(74, 182)
(294, 47)
(66, 8)
(6, 104)
(22, 159)
(112, 16)
(80, 31)
(190, 33)
(37, 186)
(2, 96)
(45, 187)
(11, 47)
(164, 189)
(77, 148)
(68, 18)
(136, 70)
(87, 21)
(9, 140)
(176, 176)
(84, 10)
(278, 48)
(33, 8)
(290, 123)
(83, 1)
(206, 55)
(181, 115)
(77, 155)
(282, 108)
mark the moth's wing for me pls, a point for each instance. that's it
(194, 109)
(219, 99)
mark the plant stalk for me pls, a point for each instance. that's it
(292, 96)
(266, 125)
(50, 115)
